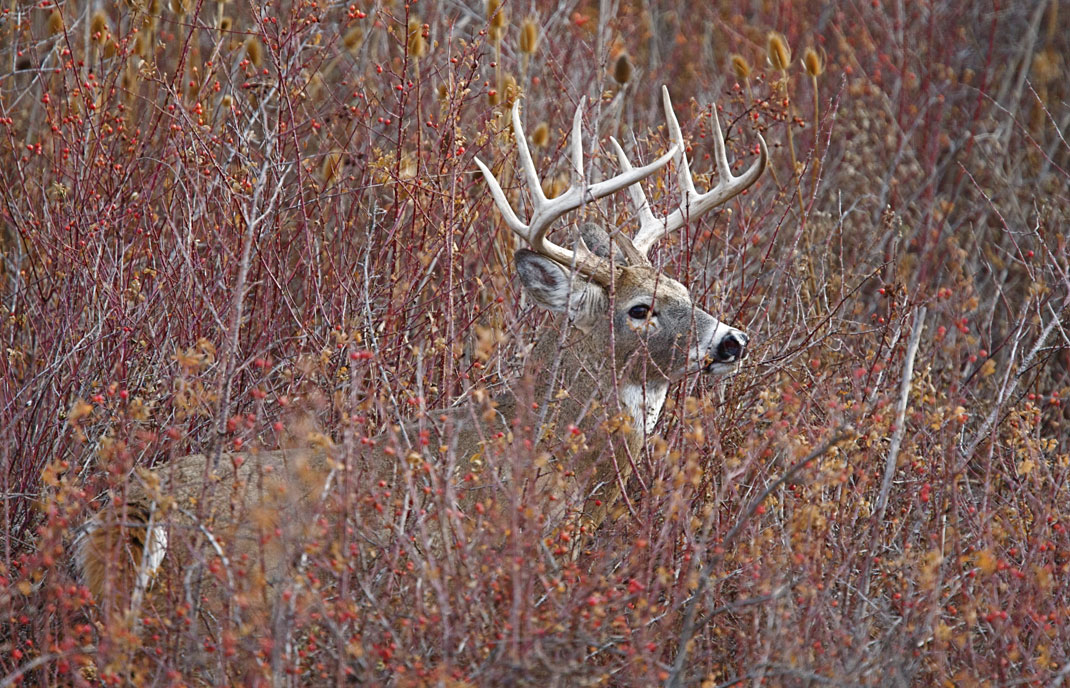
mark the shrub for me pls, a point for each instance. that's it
(246, 226)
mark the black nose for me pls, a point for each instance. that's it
(732, 348)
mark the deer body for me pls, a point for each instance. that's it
(631, 331)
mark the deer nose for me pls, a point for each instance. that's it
(732, 348)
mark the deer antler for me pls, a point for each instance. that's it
(692, 204)
(547, 210)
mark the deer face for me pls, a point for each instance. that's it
(655, 317)
(657, 332)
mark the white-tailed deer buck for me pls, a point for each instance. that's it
(630, 332)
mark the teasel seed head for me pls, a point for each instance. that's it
(352, 38)
(529, 36)
(408, 167)
(541, 136)
(1046, 67)
(332, 165)
(129, 78)
(254, 51)
(622, 69)
(141, 45)
(740, 67)
(55, 23)
(496, 14)
(778, 51)
(417, 45)
(510, 90)
(99, 27)
(813, 62)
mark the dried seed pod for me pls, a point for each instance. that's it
(496, 14)
(55, 23)
(98, 26)
(541, 136)
(740, 67)
(416, 44)
(813, 62)
(254, 51)
(778, 51)
(529, 36)
(622, 69)
(352, 38)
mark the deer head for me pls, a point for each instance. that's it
(621, 302)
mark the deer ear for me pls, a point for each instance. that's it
(550, 286)
(597, 241)
(543, 279)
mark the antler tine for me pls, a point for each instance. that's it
(724, 171)
(546, 210)
(577, 144)
(500, 200)
(642, 208)
(556, 207)
(693, 204)
(525, 156)
(683, 168)
(635, 191)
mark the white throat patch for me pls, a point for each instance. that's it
(155, 549)
(644, 403)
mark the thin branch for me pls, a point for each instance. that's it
(15, 676)
(1027, 362)
(900, 413)
(688, 630)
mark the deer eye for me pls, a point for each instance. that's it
(639, 312)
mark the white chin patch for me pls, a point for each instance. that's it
(716, 369)
(644, 403)
(155, 549)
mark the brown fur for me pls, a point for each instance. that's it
(111, 548)
(244, 505)
(259, 506)
(237, 532)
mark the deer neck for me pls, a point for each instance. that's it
(644, 401)
(577, 373)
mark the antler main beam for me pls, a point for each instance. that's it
(547, 210)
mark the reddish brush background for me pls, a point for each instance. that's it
(243, 225)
